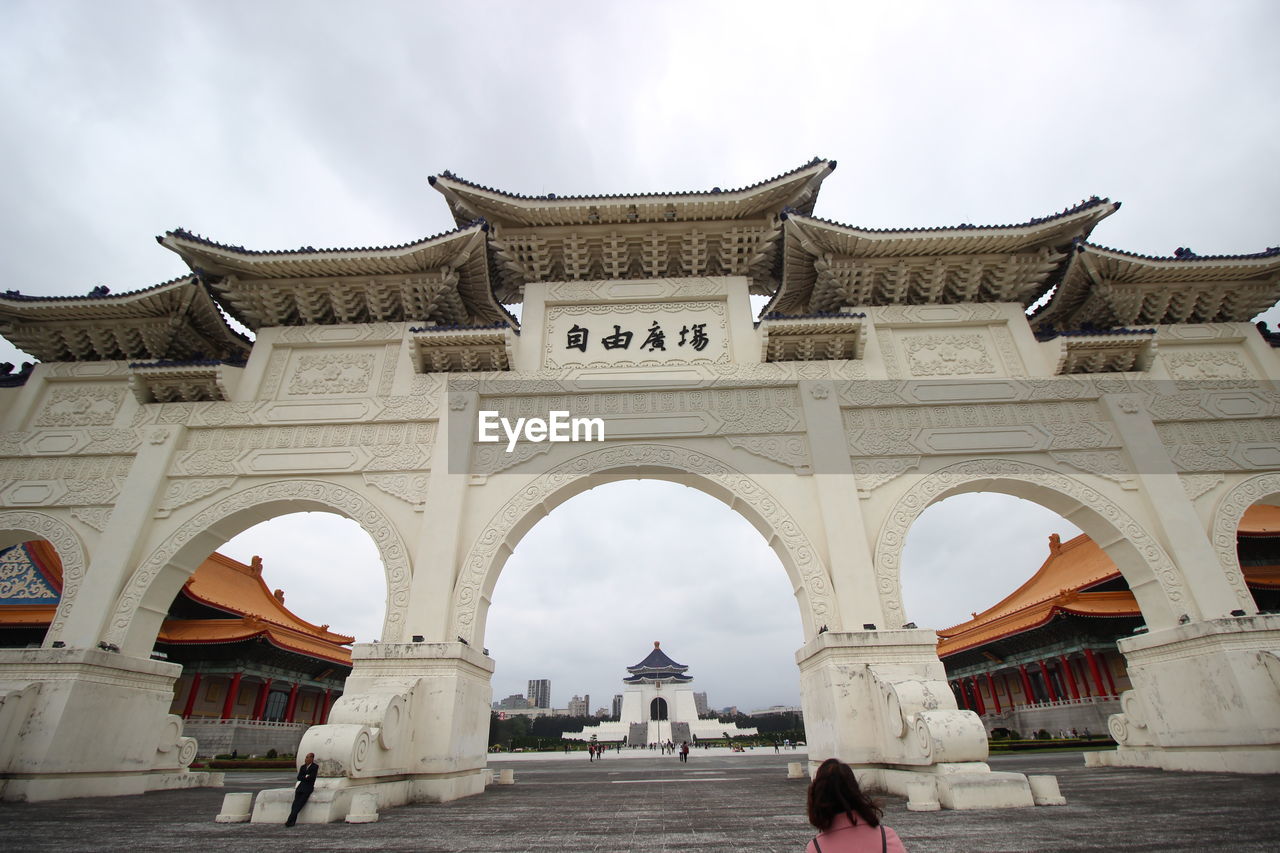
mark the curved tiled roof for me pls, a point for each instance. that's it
(831, 164)
(232, 586)
(1086, 204)
(1062, 584)
(219, 582)
(657, 667)
(121, 326)
(183, 234)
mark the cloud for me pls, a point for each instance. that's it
(286, 124)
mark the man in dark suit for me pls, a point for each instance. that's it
(306, 784)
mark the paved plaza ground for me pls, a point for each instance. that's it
(655, 803)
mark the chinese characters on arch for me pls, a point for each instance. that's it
(693, 335)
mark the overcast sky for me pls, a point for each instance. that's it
(277, 125)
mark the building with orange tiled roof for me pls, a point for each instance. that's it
(1045, 656)
(255, 675)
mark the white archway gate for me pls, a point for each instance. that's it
(891, 370)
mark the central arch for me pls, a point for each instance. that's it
(1152, 576)
(487, 556)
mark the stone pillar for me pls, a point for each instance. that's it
(880, 700)
(848, 552)
(411, 726)
(191, 696)
(54, 737)
(233, 690)
(1204, 697)
(1070, 677)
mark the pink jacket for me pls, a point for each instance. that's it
(846, 837)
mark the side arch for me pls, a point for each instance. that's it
(1226, 522)
(141, 605)
(18, 526)
(1152, 576)
(488, 554)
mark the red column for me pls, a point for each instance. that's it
(995, 697)
(1070, 676)
(324, 718)
(261, 705)
(191, 696)
(1083, 673)
(1026, 685)
(977, 695)
(1097, 676)
(958, 687)
(315, 712)
(1106, 670)
(1048, 682)
(293, 703)
(232, 692)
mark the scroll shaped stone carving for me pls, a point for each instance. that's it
(367, 734)
(1129, 727)
(173, 751)
(410, 488)
(871, 474)
(792, 451)
(811, 573)
(907, 509)
(1198, 485)
(489, 459)
(340, 499)
(96, 517)
(1108, 464)
(70, 551)
(182, 492)
(1226, 522)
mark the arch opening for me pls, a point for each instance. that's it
(589, 587)
(144, 603)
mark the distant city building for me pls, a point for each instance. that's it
(700, 702)
(514, 702)
(728, 711)
(539, 692)
(579, 706)
(776, 710)
(617, 706)
(658, 706)
(602, 713)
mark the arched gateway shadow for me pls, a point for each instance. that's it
(488, 554)
(142, 605)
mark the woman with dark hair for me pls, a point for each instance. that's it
(847, 820)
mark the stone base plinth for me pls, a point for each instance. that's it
(61, 786)
(333, 799)
(1244, 760)
(969, 785)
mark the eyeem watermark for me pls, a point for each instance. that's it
(557, 426)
